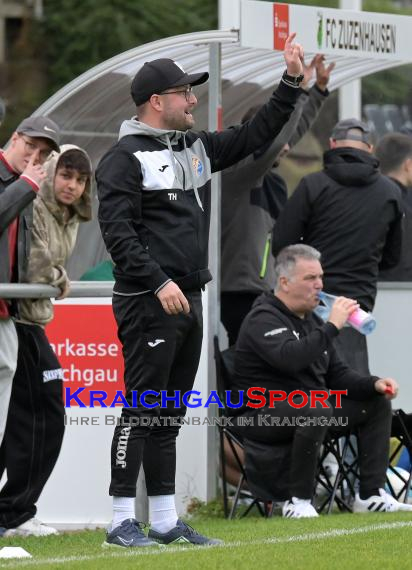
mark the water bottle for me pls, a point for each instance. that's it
(360, 320)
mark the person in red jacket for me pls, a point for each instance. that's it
(21, 173)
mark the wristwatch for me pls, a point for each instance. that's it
(291, 80)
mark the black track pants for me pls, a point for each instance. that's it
(35, 426)
(161, 352)
(370, 420)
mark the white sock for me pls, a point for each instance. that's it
(162, 513)
(123, 508)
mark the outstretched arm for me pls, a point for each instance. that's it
(316, 95)
(233, 144)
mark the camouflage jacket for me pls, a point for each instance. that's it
(52, 241)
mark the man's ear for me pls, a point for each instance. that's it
(15, 137)
(407, 168)
(156, 102)
(284, 284)
(407, 163)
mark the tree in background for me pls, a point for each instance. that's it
(75, 35)
(83, 33)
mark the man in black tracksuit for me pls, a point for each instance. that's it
(154, 192)
(283, 346)
(394, 151)
(353, 215)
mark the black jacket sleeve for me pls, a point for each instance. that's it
(311, 108)
(341, 377)
(231, 145)
(278, 345)
(120, 212)
(392, 250)
(276, 342)
(291, 225)
(13, 200)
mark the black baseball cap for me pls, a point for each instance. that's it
(340, 131)
(41, 127)
(160, 74)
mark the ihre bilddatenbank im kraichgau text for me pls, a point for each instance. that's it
(258, 398)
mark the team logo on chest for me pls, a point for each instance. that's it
(197, 165)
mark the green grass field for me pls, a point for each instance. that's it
(337, 541)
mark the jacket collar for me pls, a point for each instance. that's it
(5, 173)
(276, 302)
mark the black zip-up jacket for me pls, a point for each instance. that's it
(353, 215)
(403, 270)
(277, 350)
(154, 193)
(16, 197)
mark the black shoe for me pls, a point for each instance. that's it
(128, 535)
(182, 533)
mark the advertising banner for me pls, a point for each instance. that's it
(84, 338)
(374, 35)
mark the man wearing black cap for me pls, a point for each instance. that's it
(154, 192)
(21, 173)
(353, 215)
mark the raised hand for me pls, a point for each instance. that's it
(34, 170)
(307, 71)
(293, 54)
(323, 72)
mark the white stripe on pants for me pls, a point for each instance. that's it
(8, 363)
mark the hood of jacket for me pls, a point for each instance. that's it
(165, 137)
(135, 127)
(351, 167)
(82, 209)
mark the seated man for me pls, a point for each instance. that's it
(283, 346)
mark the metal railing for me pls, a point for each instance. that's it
(39, 291)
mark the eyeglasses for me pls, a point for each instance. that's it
(31, 147)
(188, 92)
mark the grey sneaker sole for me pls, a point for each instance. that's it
(184, 542)
(152, 545)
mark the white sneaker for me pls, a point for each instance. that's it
(383, 503)
(298, 509)
(32, 527)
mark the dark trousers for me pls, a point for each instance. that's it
(161, 353)
(234, 306)
(35, 426)
(369, 420)
(352, 348)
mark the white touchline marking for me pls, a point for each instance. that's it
(241, 543)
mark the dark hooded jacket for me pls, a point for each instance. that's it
(154, 193)
(353, 215)
(277, 350)
(403, 270)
